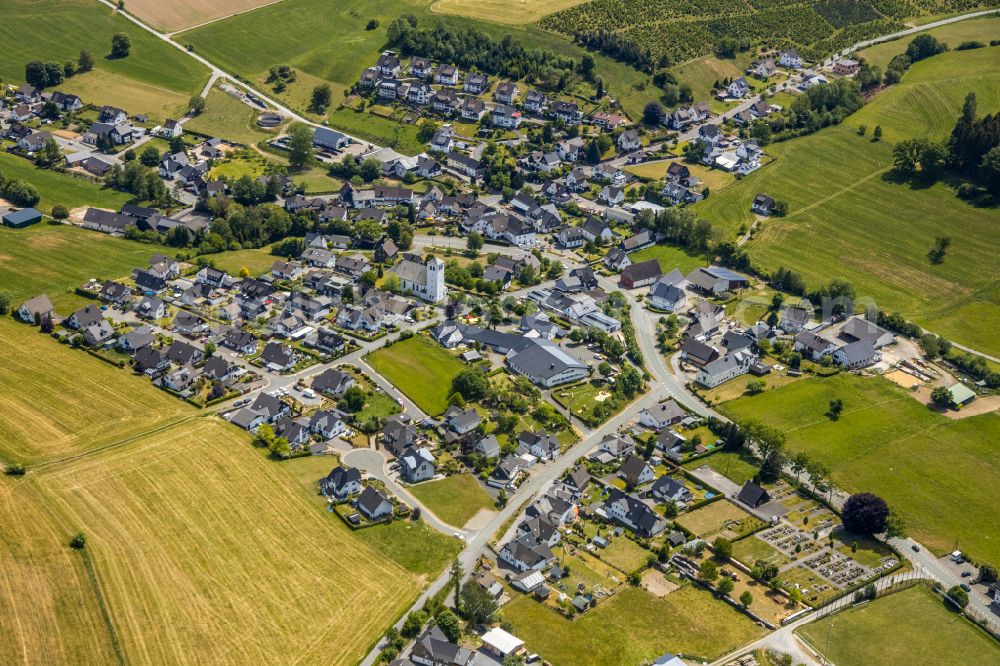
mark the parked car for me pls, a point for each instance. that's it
(915, 548)
(965, 587)
(966, 574)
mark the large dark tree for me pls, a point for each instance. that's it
(865, 513)
(653, 113)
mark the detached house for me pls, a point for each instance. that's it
(635, 471)
(373, 504)
(476, 84)
(506, 93)
(567, 112)
(813, 346)
(416, 465)
(332, 382)
(446, 75)
(739, 88)
(640, 275)
(341, 483)
(632, 512)
(790, 59)
(663, 415)
(629, 141)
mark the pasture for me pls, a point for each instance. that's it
(67, 402)
(514, 12)
(937, 472)
(981, 29)
(875, 232)
(928, 100)
(632, 626)
(454, 499)
(898, 630)
(56, 188)
(153, 78)
(55, 259)
(421, 369)
(202, 544)
(48, 604)
(180, 14)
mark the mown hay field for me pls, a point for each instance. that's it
(49, 608)
(514, 12)
(208, 552)
(180, 14)
(60, 402)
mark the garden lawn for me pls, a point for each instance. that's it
(228, 118)
(454, 499)
(874, 232)
(625, 555)
(730, 464)
(192, 575)
(256, 260)
(63, 189)
(155, 77)
(714, 518)
(670, 257)
(631, 627)
(750, 549)
(421, 550)
(419, 368)
(899, 630)
(937, 472)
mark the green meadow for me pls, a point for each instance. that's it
(155, 78)
(939, 473)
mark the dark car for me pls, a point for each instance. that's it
(915, 548)
(965, 587)
(966, 574)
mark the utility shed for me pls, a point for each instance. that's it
(19, 219)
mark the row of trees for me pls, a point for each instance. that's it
(474, 49)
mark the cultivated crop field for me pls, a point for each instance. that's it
(514, 12)
(421, 369)
(153, 78)
(632, 626)
(180, 14)
(938, 472)
(454, 499)
(67, 402)
(900, 630)
(207, 552)
(56, 259)
(48, 604)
